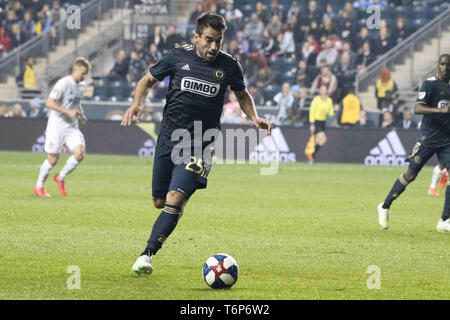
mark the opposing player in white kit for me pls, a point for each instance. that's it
(62, 126)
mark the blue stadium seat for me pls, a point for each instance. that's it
(270, 91)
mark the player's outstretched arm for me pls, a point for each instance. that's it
(422, 108)
(248, 106)
(141, 92)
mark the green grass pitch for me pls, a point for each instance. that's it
(308, 232)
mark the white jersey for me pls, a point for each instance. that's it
(68, 94)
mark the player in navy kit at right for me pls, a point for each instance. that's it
(433, 101)
(199, 76)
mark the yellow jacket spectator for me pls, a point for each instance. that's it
(351, 107)
(27, 78)
(385, 87)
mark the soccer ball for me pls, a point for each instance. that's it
(220, 271)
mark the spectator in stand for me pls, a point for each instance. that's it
(233, 47)
(58, 14)
(27, 78)
(5, 41)
(365, 58)
(275, 10)
(388, 120)
(17, 36)
(400, 31)
(242, 43)
(44, 20)
(120, 70)
(28, 26)
(270, 45)
(407, 122)
(299, 106)
(232, 113)
(350, 109)
(233, 16)
(345, 74)
(383, 43)
(384, 89)
(264, 77)
(199, 10)
(362, 37)
(36, 109)
(347, 48)
(301, 77)
(312, 13)
(159, 39)
(136, 67)
(315, 30)
(10, 20)
(329, 53)
(254, 32)
(287, 43)
(256, 95)
(284, 101)
(17, 111)
(348, 12)
(3, 111)
(294, 10)
(18, 9)
(310, 49)
(275, 27)
(35, 6)
(328, 28)
(173, 37)
(298, 34)
(327, 79)
(364, 121)
(347, 32)
(140, 49)
(329, 13)
(262, 14)
(152, 55)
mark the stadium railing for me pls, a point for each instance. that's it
(41, 45)
(404, 50)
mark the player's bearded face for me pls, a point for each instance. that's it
(208, 43)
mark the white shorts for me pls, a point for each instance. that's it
(55, 138)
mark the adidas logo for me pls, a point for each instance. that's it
(388, 152)
(186, 67)
(270, 146)
(39, 145)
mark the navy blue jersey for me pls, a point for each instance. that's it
(435, 128)
(197, 88)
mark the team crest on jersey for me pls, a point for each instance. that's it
(421, 95)
(201, 87)
(219, 74)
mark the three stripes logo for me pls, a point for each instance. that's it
(388, 152)
(273, 146)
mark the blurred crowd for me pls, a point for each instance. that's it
(288, 50)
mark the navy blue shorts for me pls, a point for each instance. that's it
(185, 177)
(421, 154)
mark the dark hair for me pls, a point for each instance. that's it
(212, 20)
(83, 62)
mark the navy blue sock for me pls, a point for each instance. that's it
(397, 189)
(163, 227)
(446, 213)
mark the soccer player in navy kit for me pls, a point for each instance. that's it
(433, 101)
(199, 76)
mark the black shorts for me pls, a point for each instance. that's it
(421, 154)
(319, 126)
(186, 176)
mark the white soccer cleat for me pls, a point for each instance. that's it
(443, 226)
(383, 216)
(142, 266)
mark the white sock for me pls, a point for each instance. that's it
(46, 167)
(437, 174)
(70, 165)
